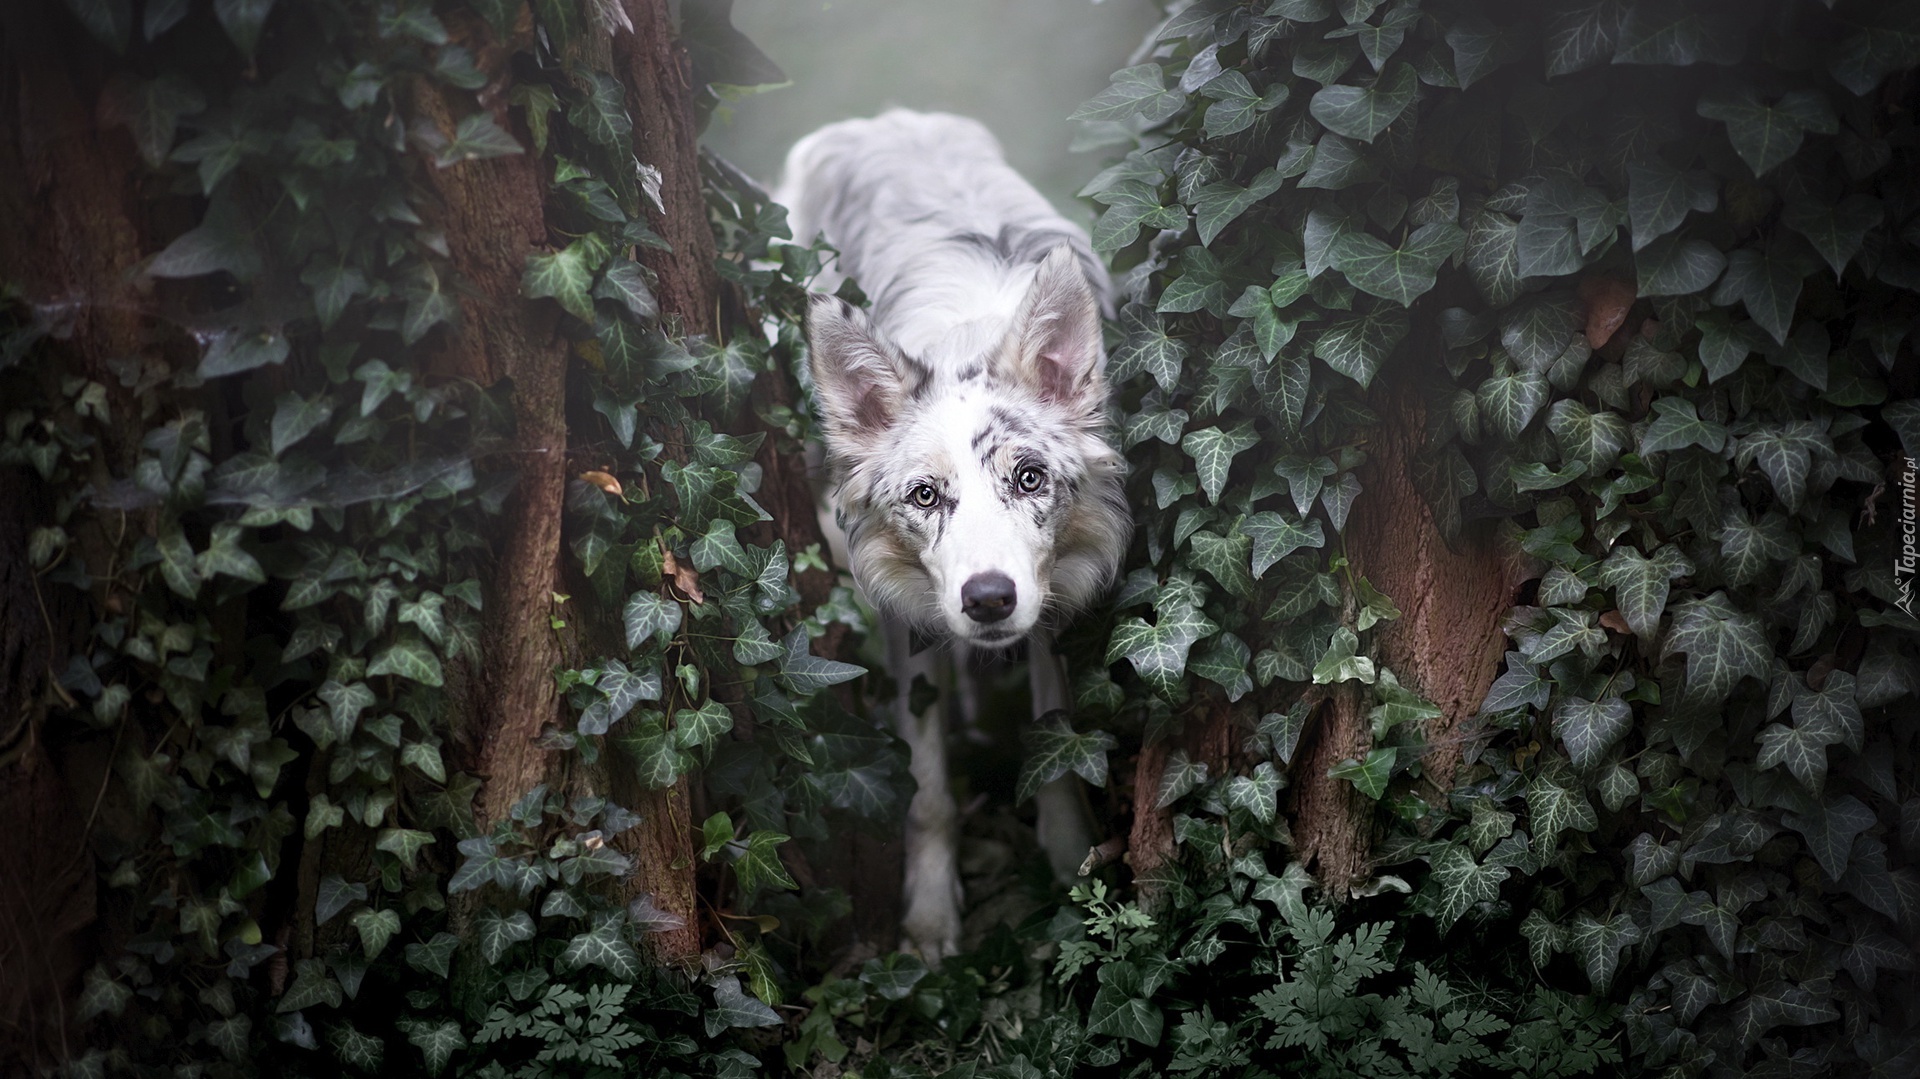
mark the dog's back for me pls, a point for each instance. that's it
(943, 236)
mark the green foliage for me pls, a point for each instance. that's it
(292, 571)
(1646, 268)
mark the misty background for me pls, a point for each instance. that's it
(1020, 66)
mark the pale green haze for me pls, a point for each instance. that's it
(1019, 65)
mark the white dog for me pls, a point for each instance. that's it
(966, 425)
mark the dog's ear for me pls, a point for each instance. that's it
(1054, 348)
(859, 379)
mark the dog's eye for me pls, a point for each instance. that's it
(924, 496)
(1030, 478)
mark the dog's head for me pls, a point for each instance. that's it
(984, 496)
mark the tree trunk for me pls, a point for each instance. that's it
(74, 231)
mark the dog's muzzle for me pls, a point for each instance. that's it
(987, 597)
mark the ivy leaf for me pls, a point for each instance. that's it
(697, 727)
(1401, 274)
(1462, 883)
(1676, 425)
(1224, 558)
(1118, 1013)
(1336, 165)
(151, 110)
(1722, 644)
(408, 657)
(1676, 266)
(376, 928)
(1218, 205)
(1803, 749)
(1679, 36)
(1213, 451)
(1598, 944)
(1659, 197)
(403, 843)
(1510, 402)
(243, 21)
(1581, 34)
(1235, 104)
(605, 947)
(1837, 231)
(1590, 728)
(1397, 705)
(1132, 205)
(312, 985)
(1136, 91)
(224, 555)
(437, 1042)
(1370, 775)
(109, 21)
(1776, 1003)
(1147, 350)
(1356, 347)
(1641, 584)
(1593, 439)
(626, 284)
(806, 672)
(759, 864)
(1785, 454)
(1768, 282)
(476, 138)
(1492, 256)
(1765, 135)
(1539, 331)
(335, 895)
(1341, 662)
(1363, 112)
(1054, 748)
(734, 1008)
(1178, 778)
(1224, 663)
(894, 976)
(231, 351)
(1275, 537)
(600, 111)
(565, 275)
(1829, 828)
(649, 616)
(295, 417)
(1158, 651)
(1553, 808)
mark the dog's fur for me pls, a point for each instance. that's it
(965, 420)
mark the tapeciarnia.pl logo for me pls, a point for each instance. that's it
(1908, 560)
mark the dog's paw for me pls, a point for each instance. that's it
(931, 930)
(930, 949)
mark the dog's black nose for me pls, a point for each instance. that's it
(987, 597)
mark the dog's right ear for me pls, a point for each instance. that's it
(860, 380)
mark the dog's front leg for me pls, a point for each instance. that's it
(931, 923)
(1064, 825)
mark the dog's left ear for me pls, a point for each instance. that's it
(1054, 348)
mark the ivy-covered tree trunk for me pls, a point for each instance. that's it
(162, 336)
(76, 231)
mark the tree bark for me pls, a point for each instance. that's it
(1446, 645)
(74, 232)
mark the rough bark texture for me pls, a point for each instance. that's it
(1332, 821)
(660, 99)
(1208, 737)
(72, 235)
(46, 881)
(493, 218)
(1447, 644)
(491, 212)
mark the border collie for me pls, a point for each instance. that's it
(965, 422)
